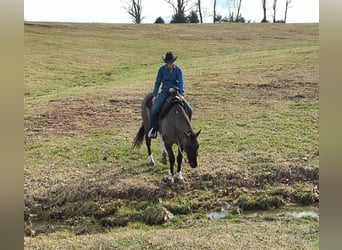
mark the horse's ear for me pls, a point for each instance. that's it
(198, 133)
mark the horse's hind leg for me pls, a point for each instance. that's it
(164, 158)
(164, 151)
(151, 161)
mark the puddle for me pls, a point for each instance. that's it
(305, 214)
(296, 211)
(217, 215)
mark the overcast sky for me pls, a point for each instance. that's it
(112, 11)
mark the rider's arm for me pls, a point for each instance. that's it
(158, 82)
(180, 81)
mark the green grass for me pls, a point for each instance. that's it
(226, 234)
(254, 91)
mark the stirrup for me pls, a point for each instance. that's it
(152, 133)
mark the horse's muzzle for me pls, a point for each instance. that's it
(193, 164)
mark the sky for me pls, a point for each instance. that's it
(113, 11)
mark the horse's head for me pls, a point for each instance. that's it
(191, 147)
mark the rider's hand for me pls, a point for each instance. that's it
(181, 98)
(154, 99)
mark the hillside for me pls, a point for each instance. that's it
(254, 91)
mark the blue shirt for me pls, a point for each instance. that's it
(169, 78)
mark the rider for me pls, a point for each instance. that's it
(171, 76)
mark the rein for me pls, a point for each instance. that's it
(179, 146)
(182, 153)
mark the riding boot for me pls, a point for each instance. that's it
(152, 133)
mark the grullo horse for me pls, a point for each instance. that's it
(174, 127)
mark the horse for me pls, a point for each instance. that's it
(174, 127)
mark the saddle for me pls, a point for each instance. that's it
(170, 101)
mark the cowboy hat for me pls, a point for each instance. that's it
(169, 57)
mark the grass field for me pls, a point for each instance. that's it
(254, 91)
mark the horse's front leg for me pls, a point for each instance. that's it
(171, 161)
(179, 165)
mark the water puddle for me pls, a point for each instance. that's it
(295, 211)
(305, 214)
(217, 215)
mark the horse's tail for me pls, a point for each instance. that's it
(139, 138)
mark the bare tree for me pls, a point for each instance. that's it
(274, 7)
(263, 2)
(287, 6)
(214, 11)
(234, 15)
(134, 9)
(200, 10)
(179, 9)
(238, 9)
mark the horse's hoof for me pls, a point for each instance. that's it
(168, 179)
(179, 180)
(164, 161)
(151, 161)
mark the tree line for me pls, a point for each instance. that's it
(190, 11)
